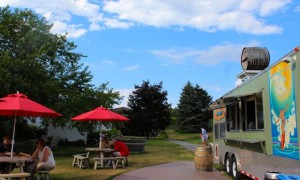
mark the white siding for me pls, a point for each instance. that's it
(72, 134)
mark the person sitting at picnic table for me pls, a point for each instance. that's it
(105, 142)
(5, 151)
(120, 149)
(43, 158)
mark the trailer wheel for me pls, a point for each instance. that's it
(227, 165)
(235, 173)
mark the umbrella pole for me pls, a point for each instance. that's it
(13, 136)
(100, 134)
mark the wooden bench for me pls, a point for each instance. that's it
(22, 176)
(121, 161)
(101, 162)
(43, 175)
(81, 160)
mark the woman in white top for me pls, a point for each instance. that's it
(43, 158)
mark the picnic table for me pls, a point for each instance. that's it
(19, 161)
(100, 155)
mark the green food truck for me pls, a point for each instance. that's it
(256, 129)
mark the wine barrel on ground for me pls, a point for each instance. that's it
(204, 158)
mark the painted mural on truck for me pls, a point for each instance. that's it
(283, 111)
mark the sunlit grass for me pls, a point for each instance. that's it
(189, 137)
(157, 151)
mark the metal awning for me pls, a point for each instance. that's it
(236, 98)
(229, 99)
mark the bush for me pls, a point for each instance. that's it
(93, 137)
(112, 133)
(163, 134)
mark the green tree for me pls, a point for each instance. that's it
(45, 67)
(190, 115)
(173, 112)
(149, 109)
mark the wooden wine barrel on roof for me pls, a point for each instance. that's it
(255, 58)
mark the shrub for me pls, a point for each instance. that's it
(112, 133)
(163, 134)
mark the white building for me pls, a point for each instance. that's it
(68, 132)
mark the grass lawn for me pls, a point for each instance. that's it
(157, 151)
(189, 137)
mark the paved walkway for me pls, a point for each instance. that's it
(182, 170)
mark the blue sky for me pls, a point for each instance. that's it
(173, 41)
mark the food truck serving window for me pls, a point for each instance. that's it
(232, 116)
(254, 119)
(245, 112)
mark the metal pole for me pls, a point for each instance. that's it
(13, 136)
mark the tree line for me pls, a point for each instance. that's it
(47, 68)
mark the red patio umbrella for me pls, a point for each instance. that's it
(100, 114)
(19, 105)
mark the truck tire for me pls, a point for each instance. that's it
(227, 164)
(235, 173)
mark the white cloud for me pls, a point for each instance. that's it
(249, 24)
(108, 62)
(205, 15)
(125, 94)
(210, 56)
(213, 87)
(132, 68)
(74, 31)
(247, 16)
(98, 66)
(114, 23)
(63, 14)
(263, 8)
(269, 6)
(220, 53)
(173, 55)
